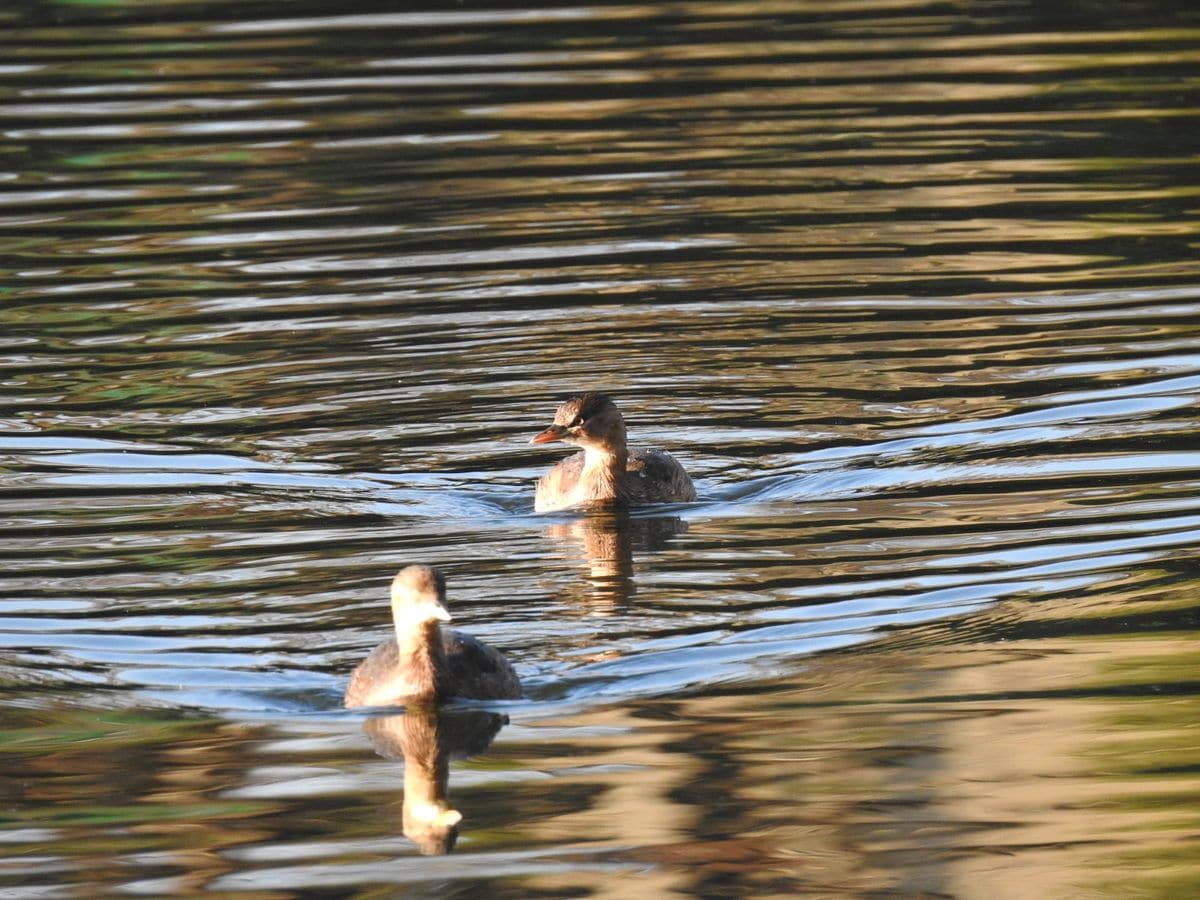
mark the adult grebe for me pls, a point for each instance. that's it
(606, 471)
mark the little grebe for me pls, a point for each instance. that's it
(607, 471)
(425, 662)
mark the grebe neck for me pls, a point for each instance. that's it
(422, 655)
(604, 472)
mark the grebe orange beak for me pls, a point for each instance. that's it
(551, 434)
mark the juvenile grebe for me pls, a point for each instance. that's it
(607, 471)
(425, 662)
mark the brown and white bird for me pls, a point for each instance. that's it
(607, 471)
(424, 662)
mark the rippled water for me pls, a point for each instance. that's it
(912, 290)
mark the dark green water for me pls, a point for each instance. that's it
(912, 290)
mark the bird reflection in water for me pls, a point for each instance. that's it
(427, 738)
(604, 540)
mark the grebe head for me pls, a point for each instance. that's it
(588, 420)
(419, 596)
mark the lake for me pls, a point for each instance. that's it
(911, 289)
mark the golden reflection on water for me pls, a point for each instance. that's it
(1031, 766)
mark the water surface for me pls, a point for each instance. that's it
(912, 290)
